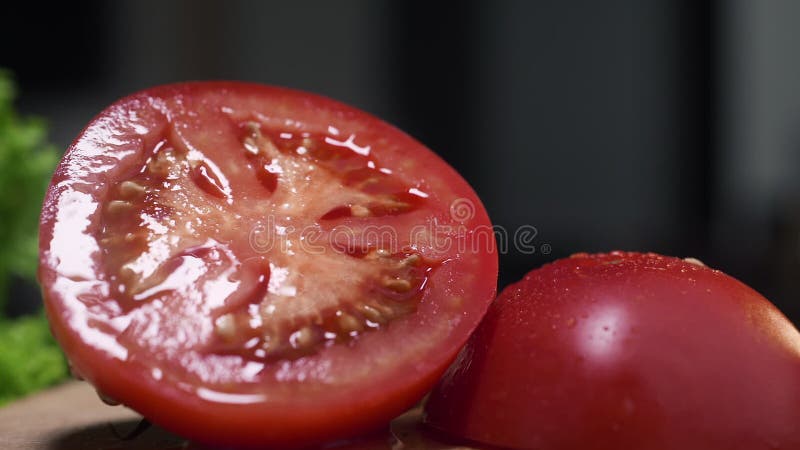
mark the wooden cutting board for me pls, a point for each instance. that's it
(71, 417)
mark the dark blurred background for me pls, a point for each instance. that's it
(670, 126)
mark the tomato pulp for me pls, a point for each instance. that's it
(249, 265)
(626, 351)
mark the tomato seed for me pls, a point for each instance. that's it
(225, 326)
(130, 189)
(359, 211)
(397, 284)
(302, 338)
(408, 261)
(118, 206)
(348, 323)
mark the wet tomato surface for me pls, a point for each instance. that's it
(248, 265)
(623, 351)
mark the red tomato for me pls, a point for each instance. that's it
(249, 265)
(626, 351)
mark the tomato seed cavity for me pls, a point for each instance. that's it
(179, 210)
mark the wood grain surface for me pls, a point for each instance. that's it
(71, 417)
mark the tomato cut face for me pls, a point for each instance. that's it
(175, 230)
(625, 351)
(249, 265)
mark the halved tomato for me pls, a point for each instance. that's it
(249, 265)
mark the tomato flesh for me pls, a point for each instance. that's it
(244, 264)
(625, 350)
(153, 214)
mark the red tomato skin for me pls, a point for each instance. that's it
(626, 351)
(313, 413)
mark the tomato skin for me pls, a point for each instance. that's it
(336, 392)
(625, 350)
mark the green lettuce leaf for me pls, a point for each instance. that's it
(29, 356)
